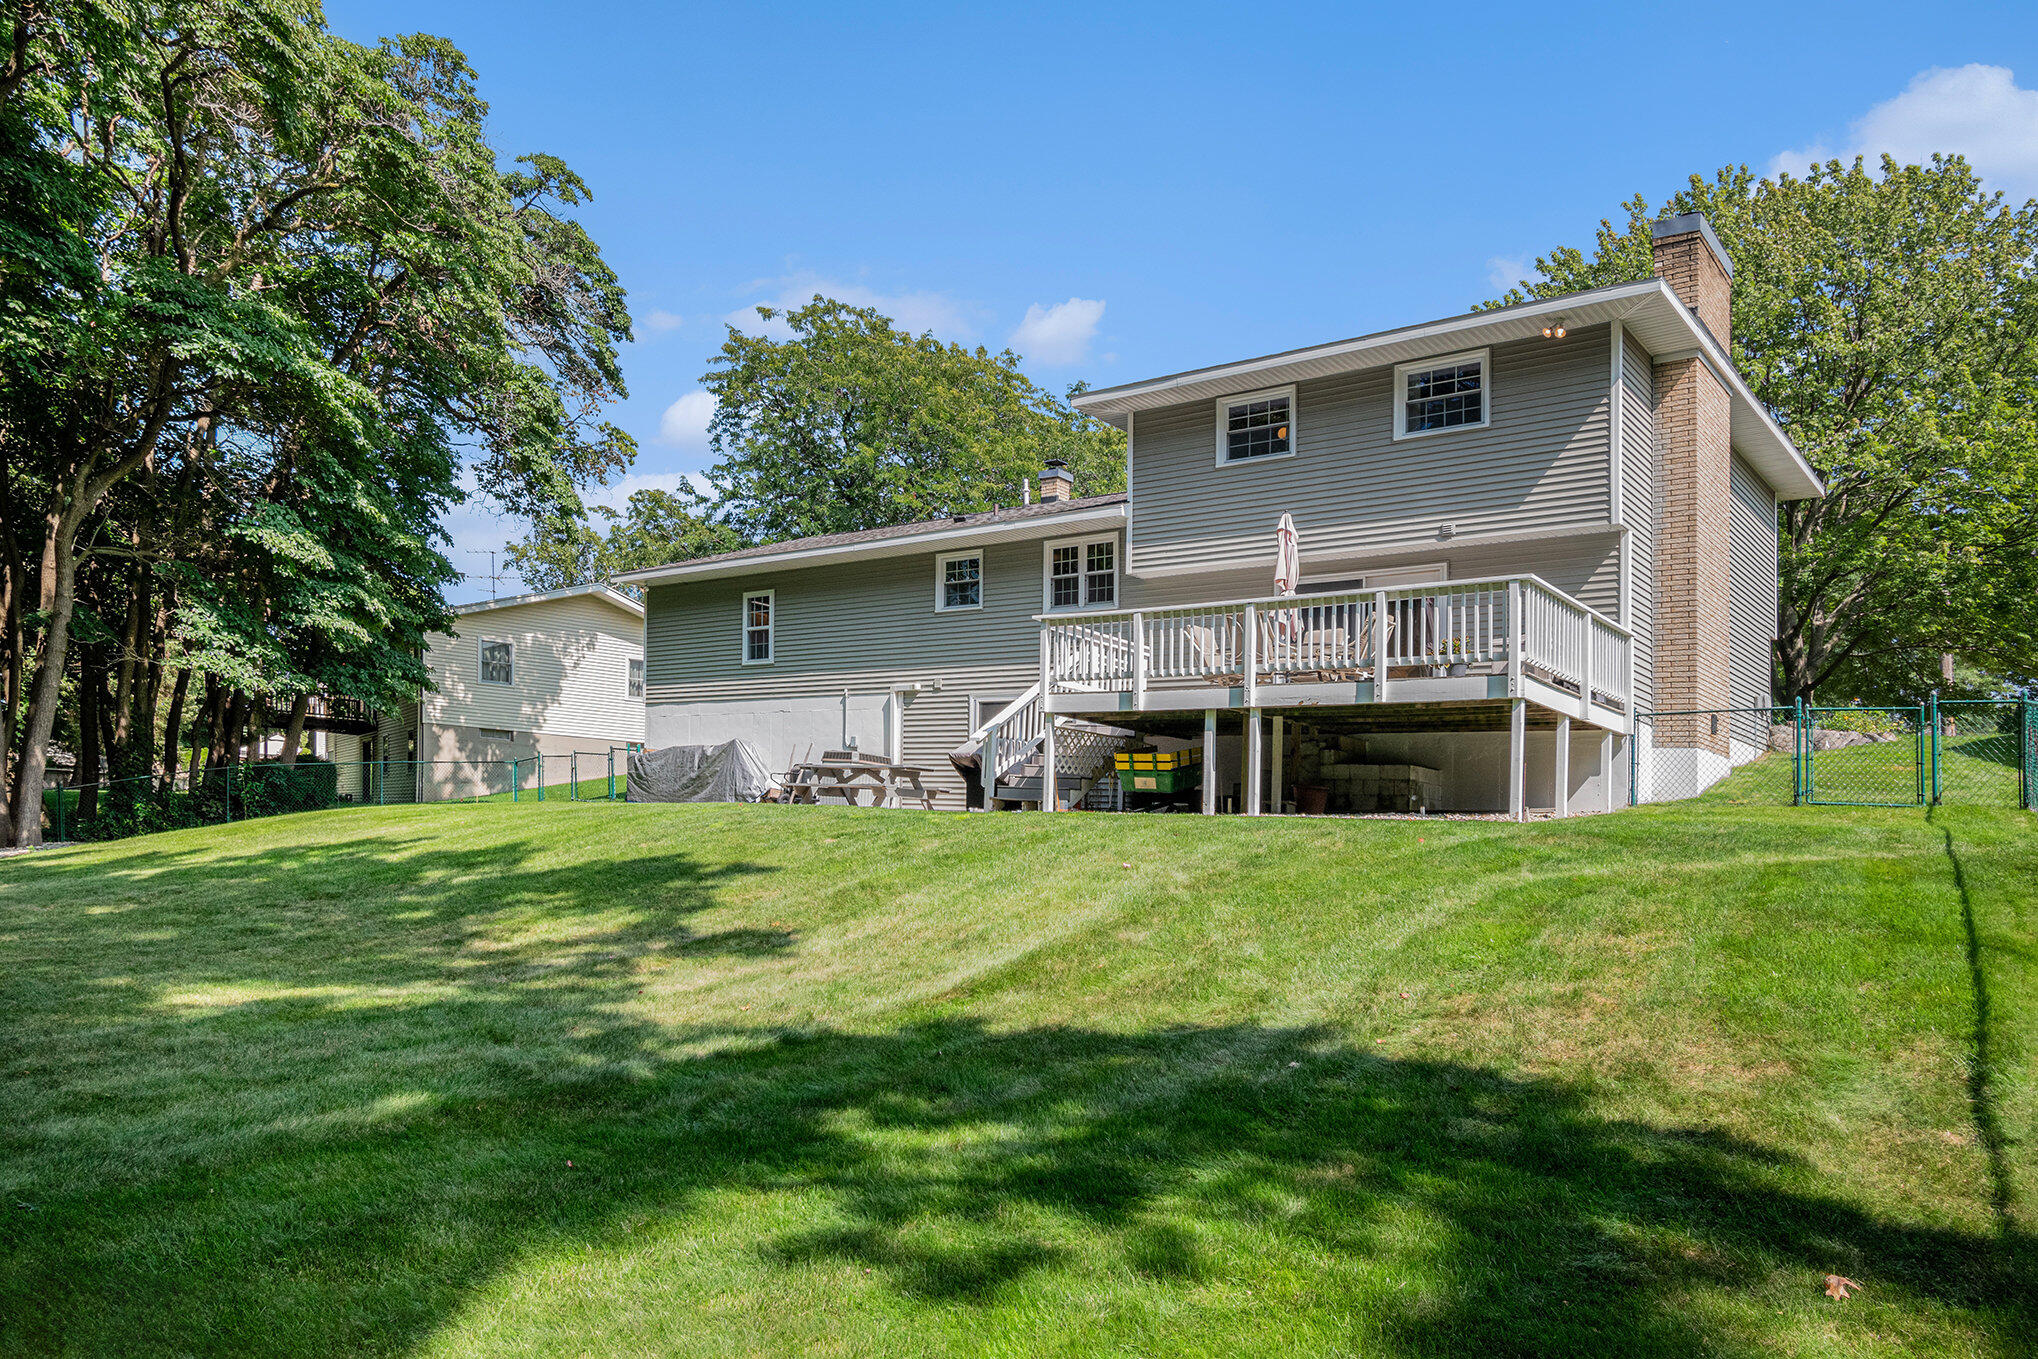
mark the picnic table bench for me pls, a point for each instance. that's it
(858, 783)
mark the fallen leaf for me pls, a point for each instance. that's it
(569, 1165)
(1837, 1286)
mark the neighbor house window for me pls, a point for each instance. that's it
(1441, 394)
(1082, 575)
(757, 620)
(1256, 425)
(636, 677)
(958, 581)
(498, 663)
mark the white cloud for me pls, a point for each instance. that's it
(1977, 111)
(685, 422)
(659, 322)
(916, 312)
(1059, 334)
(1509, 271)
(617, 494)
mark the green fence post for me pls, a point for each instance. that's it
(1933, 701)
(1634, 759)
(2027, 776)
(612, 774)
(541, 776)
(1797, 751)
(516, 790)
(573, 777)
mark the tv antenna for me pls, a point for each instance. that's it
(494, 576)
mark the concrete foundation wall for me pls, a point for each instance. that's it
(776, 728)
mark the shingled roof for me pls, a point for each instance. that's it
(980, 519)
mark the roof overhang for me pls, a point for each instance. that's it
(1648, 309)
(905, 545)
(606, 594)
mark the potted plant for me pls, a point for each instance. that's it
(1458, 666)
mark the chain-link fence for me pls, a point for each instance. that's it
(111, 809)
(1972, 751)
(1677, 755)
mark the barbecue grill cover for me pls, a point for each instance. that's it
(730, 772)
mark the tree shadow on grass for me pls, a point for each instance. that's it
(339, 1163)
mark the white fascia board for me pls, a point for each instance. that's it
(1109, 401)
(1755, 432)
(604, 593)
(1010, 530)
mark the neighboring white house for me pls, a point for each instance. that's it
(555, 673)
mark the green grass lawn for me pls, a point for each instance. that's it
(599, 1079)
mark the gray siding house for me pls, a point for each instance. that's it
(1518, 529)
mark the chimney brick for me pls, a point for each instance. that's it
(1694, 422)
(1057, 482)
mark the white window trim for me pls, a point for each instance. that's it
(635, 664)
(1047, 604)
(941, 561)
(481, 669)
(770, 656)
(1222, 419)
(1399, 392)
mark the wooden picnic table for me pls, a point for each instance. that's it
(852, 781)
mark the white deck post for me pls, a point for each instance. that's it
(1138, 661)
(1252, 657)
(1050, 787)
(1210, 762)
(1517, 760)
(1606, 752)
(1585, 670)
(1280, 737)
(1516, 638)
(1255, 761)
(1562, 775)
(1379, 646)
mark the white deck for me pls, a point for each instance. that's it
(1507, 638)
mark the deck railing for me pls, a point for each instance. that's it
(1459, 626)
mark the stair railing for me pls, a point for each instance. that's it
(1007, 740)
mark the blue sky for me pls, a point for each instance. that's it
(1125, 191)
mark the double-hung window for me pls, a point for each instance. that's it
(1082, 575)
(1434, 395)
(498, 662)
(636, 680)
(1254, 426)
(958, 581)
(759, 612)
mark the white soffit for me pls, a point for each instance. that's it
(1648, 309)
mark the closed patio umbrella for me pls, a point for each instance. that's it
(1287, 556)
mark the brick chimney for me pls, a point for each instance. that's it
(1694, 426)
(1057, 482)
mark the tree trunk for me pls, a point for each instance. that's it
(174, 723)
(205, 731)
(60, 590)
(85, 777)
(293, 729)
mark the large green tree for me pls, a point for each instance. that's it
(852, 423)
(655, 528)
(1889, 319)
(283, 288)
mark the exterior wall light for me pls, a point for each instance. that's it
(1554, 330)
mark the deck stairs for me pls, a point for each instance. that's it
(1012, 758)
